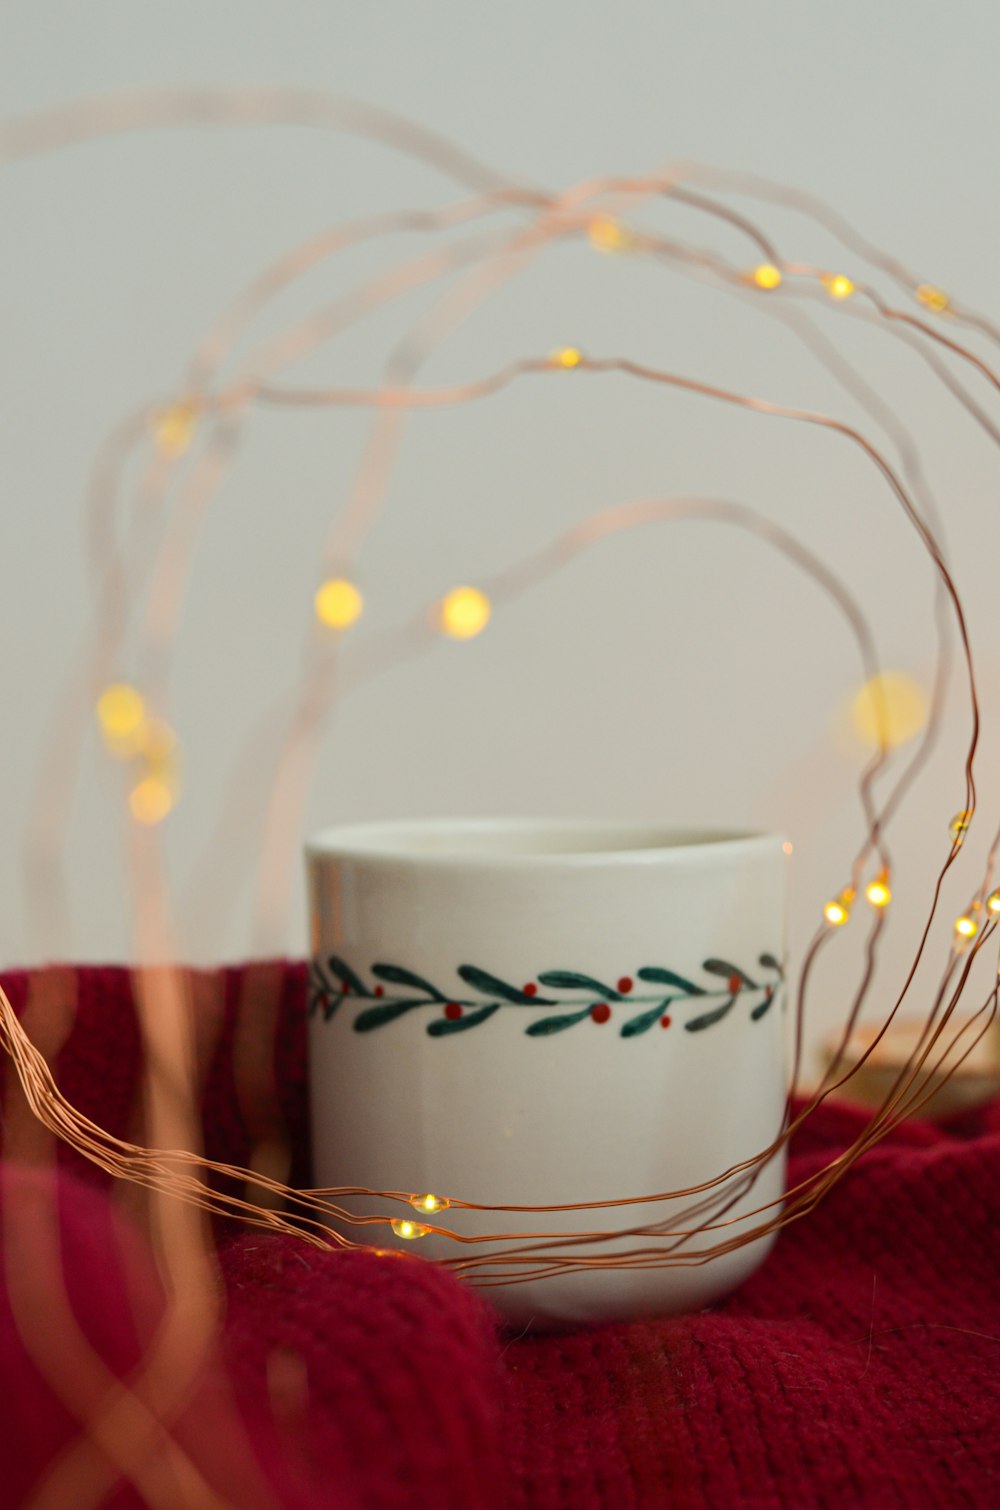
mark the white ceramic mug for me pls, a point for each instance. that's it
(534, 1013)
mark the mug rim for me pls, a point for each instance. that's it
(602, 841)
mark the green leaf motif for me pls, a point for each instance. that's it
(645, 1020)
(344, 972)
(490, 985)
(442, 1025)
(546, 1025)
(708, 1018)
(670, 978)
(770, 963)
(377, 1017)
(400, 977)
(723, 967)
(570, 980)
(763, 1007)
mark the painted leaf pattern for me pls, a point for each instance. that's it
(334, 982)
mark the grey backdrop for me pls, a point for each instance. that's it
(682, 674)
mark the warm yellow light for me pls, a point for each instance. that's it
(121, 712)
(150, 800)
(933, 298)
(429, 1203)
(959, 827)
(967, 927)
(889, 709)
(788, 847)
(766, 276)
(464, 612)
(338, 603)
(878, 892)
(404, 1228)
(993, 902)
(838, 910)
(607, 235)
(173, 429)
(838, 286)
(569, 356)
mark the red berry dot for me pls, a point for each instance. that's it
(452, 1010)
(600, 1012)
(345, 986)
(379, 990)
(769, 992)
(735, 982)
(665, 1021)
(530, 989)
(625, 984)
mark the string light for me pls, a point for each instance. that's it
(888, 709)
(150, 800)
(121, 711)
(837, 285)
(878, 892)
(403, 1227)
(966, 926)
(838, 909)
(959, 826)
(766, 276)
(465, 612)
(607, 235)
(338, 603)
(429, 1203)
(173, 429)
(993, 902)
(933, 298)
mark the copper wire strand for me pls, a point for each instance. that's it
(43, 133)
(596, 529)
(645, 187)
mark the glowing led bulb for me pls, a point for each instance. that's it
(838, 909)
(121, 712)
(878, 892)
(173, 429)
(766, 276)
(338, 603)
(150, 800)
(837, 285)
(567, 357)
(966, 927)
(888, 709)
(993, 902)
(464, 613)
(607, 235)
(959, 827)
(429, 1203)
(405, 1228)
(933, 298)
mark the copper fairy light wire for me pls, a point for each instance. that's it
(162, 1172)
(631, 516)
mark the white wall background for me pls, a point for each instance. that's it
(682, 675)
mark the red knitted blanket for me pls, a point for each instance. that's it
(860, 1366)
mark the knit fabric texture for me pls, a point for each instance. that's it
(860, 1366)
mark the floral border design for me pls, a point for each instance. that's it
(334, 982)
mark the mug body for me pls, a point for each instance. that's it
(548, 1013)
